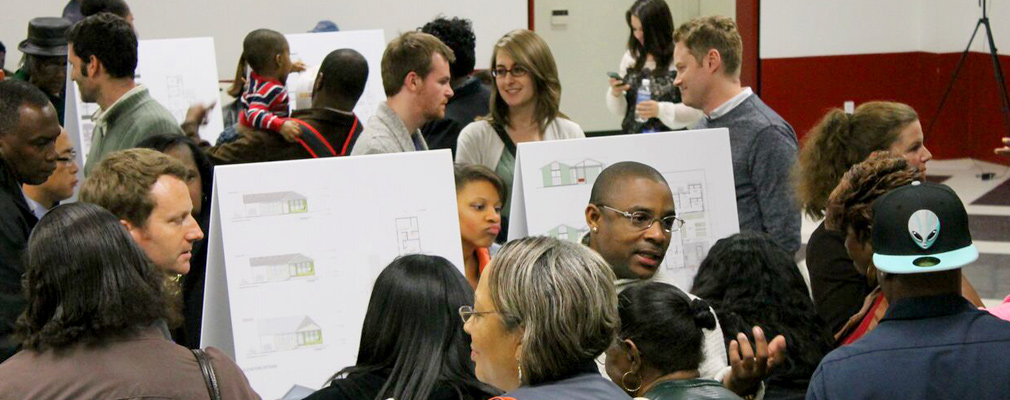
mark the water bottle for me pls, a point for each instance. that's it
(644, 94)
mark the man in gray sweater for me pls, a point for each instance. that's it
(707, 56)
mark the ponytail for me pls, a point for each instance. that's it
(238, 86)
(702, 314)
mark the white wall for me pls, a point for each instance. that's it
(228, 21)
(798, 28)
(593, 42)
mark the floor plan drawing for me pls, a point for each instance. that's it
(287, 333)
(408, 235)
(280, 268)
(275, 203)
(688, 245)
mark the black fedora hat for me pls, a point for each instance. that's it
(47, 36)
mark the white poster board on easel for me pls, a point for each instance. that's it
(296, 246)
(176, 72)
(312, 48)
(553, 181)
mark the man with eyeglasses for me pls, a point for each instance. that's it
(631, 217)
(60, 185)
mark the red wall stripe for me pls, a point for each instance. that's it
(747, 21)
(970, 125)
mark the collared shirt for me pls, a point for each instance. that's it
(37, 208)
(935, 347)
(731, 104)
(99, 119)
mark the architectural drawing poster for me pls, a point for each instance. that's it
(176, 72)
(553, 181)
(296, 246)
(312, 48)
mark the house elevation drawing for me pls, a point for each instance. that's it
(560, 174)
(287, 333)
(280, 268)
(567, 232)
(275, 203)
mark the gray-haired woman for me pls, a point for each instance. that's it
(544, 309)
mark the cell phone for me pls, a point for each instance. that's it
(615, 75)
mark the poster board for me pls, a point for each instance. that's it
(296, 246)
(553, 181)
(312, 48)
(176, 72)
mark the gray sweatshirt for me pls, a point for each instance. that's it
(764, 150)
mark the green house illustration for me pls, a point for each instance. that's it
(281, 267)
(566, 232)
(288, 333)
(560, 174)
(276, 203)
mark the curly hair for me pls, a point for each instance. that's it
(850, 206)
(86, 280)
(750, 280)
(841, 140)
(457, 33)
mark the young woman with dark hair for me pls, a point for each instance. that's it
(479, 197)
(750, 281)
(95, 319)
(412, 344)
(649, 56)
(659, 346)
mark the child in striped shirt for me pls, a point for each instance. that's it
(264, 98)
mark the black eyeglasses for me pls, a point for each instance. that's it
(465, 312)
(516, 71)
(642, 220)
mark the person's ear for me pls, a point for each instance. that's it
(134, 230)
(713, 60)
(91, 66)
(411, 82)
(634, 358)
(318, 84)
(593, 216)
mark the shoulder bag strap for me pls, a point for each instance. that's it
(510, 146)
(208, 374)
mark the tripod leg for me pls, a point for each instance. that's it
(964, 56)
(1000, 82)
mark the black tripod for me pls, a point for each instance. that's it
(984, 21)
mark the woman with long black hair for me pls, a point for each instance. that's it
(649, 57)
(412, 344)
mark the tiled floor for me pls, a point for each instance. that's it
(988, 205)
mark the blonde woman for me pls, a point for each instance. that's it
(524, 107)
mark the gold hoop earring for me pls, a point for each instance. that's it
(624, 382)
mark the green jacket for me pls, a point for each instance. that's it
(126, 123)
(690, 389)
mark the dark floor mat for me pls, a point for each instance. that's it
(937, 178)
(1000, 196)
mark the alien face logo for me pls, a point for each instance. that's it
(924, 227)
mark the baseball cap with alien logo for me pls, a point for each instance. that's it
(921, 227)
